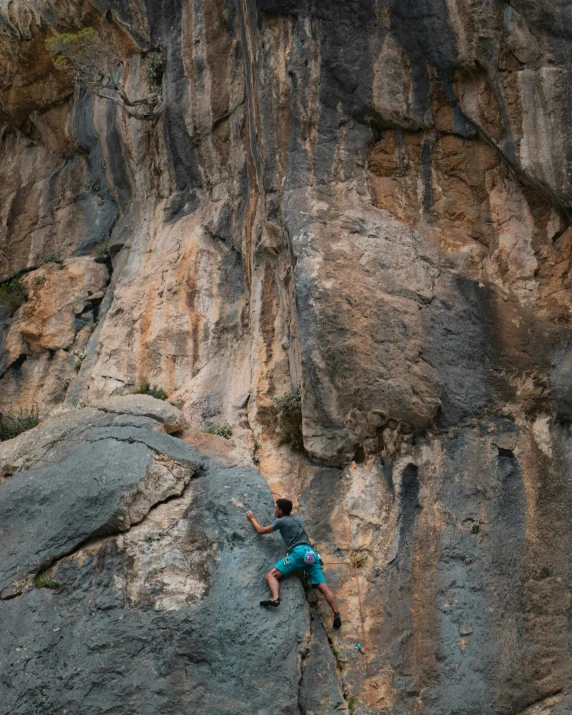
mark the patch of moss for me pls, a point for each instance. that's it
(12, 294)
(290, 420)
(50, 257)
(224, 430)
(146, 389)
(155, 64)
(12, 425)
(42, 580)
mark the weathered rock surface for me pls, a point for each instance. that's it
(159, 617)
(85, 494)
(370, 202)
(168, 415)
(44, 345)
(40, 445)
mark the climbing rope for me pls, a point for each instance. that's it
(364, 651)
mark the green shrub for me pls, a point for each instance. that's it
(12, 294)
(13, 425)
(50, 257)
(290, 420)
(93, 60)
(224, 430)
(93, 184)
(146, 389)
(39, 280)
(68, 47)
(43, 581)
(101, 252)
(155, 64)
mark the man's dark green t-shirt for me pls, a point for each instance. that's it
(292, 531)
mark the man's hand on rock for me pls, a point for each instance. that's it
(249, 515)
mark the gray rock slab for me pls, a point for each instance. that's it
(320, 687)
(51, 439)
(168, 415)
(157, 441)
(47, 512)
(85, 649)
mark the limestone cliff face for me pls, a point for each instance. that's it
(370, 202)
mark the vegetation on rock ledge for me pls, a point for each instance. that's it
(50, 257)
(13, 425)
(155, 64)
(43, 581)
(12, 294)
(95, 64)
(146, 389)
(224, 430)
(290, 420)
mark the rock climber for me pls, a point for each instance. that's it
(300, 556)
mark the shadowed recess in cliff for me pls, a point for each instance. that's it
(319, 504)
(424, 31)
(116, 160)
(282, 7)
(161, 21)
(399, 585)
(466, 338)
(178, 88)
(346, 76)
(480, 575)
(409, 499)
(508, 556)
(100, 212)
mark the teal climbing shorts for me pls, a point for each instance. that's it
(294, 561)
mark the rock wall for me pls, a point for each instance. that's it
(370, 202)
(151, 580)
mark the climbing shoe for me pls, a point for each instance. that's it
(270, 603)
(337, 621)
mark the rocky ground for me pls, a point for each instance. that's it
(367, 202)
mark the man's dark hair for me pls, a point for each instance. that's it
(285, 506)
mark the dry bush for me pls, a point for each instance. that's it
(290, 420)
(94, 63)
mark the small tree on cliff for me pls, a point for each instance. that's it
(95, 65)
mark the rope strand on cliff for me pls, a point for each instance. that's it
(362, 623)
(364, 651)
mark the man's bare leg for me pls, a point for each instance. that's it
(272, 580)
(328, 595)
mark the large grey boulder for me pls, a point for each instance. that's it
(46, 443)
(157, 577)
(102, 486)
(168, 415)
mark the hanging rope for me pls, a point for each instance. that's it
(364, 651)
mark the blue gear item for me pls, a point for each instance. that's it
(294, 561)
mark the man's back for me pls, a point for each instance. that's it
(292, 531)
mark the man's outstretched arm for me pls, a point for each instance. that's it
(259, 529)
